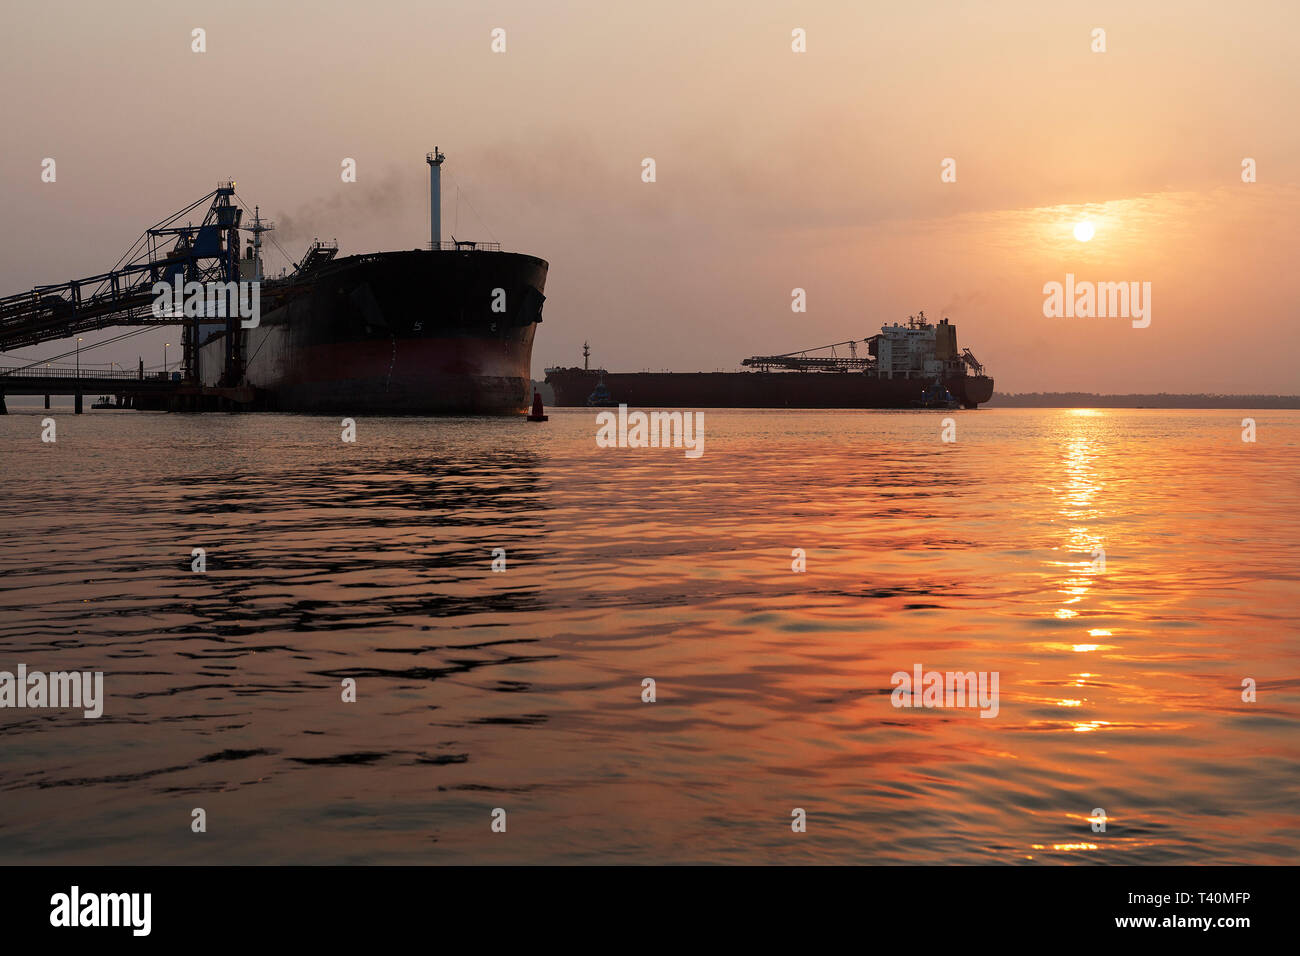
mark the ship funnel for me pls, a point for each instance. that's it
(434, 160)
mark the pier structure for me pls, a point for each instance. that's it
(141, 390)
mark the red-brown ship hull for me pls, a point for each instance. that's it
(759, 389)
(408, 377)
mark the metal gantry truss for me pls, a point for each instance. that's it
(804, 361)
(208, 252)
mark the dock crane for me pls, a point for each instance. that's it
(123, 296)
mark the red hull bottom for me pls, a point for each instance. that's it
(445, 376)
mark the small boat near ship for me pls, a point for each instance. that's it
(600, 396)
(936, 396)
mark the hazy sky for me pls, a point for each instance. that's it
(775, 169)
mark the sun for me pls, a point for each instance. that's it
(1083, 231)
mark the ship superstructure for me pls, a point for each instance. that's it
(917, 349)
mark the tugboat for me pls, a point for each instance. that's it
(936, 396)
(600, 397)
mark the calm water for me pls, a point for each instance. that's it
(522, 690)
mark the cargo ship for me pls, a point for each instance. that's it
(905, 366)
(443, 330)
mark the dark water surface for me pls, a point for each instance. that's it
(1120, 689)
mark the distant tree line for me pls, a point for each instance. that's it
(1159, 400)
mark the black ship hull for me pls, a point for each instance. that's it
(420, 332)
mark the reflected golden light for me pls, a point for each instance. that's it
(1088, 726)
(1064, 846)
(1074, 648)
(1081, 504)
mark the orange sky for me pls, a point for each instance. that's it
(776, 170)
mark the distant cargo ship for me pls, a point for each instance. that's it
(902, 367)
(448, 330)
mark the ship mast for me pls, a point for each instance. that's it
(435, 160)
(259, 226)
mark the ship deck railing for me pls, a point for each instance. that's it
(73, 374)
(465, 245)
